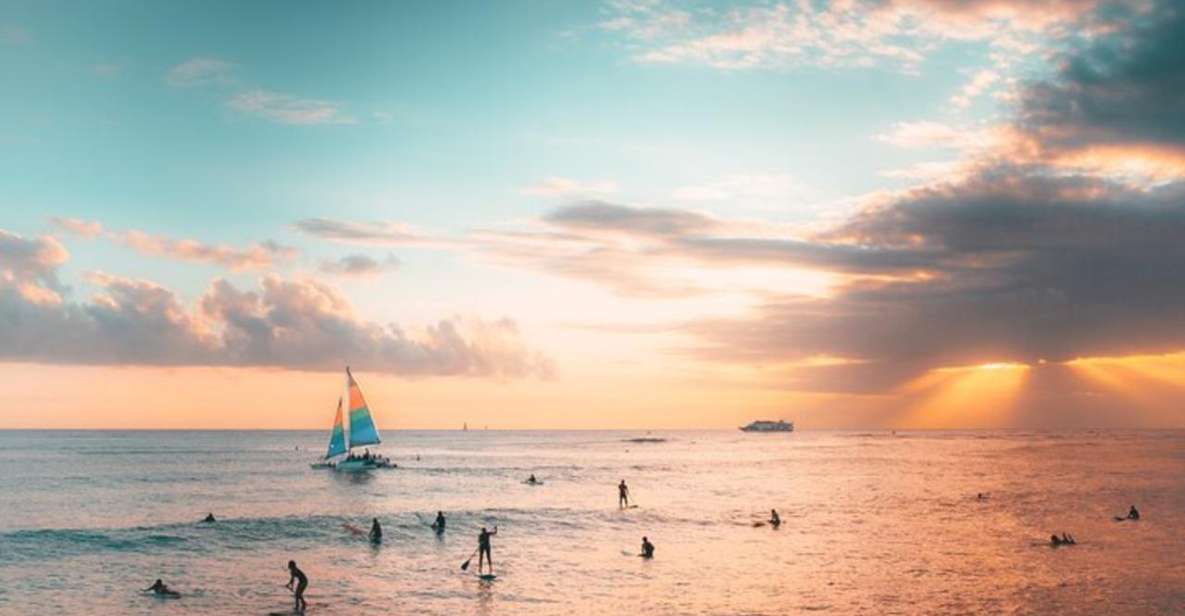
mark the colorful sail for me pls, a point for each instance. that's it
(337, 437)
(362, 430)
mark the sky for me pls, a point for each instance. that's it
(623, 214)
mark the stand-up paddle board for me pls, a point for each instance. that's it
(487, 577)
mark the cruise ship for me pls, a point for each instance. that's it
(769, 426)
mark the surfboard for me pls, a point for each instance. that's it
(487, 577)
(533, 483)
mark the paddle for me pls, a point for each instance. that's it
(465, 565)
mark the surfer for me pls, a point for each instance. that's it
(623, 495)
(1133, 513)
(438, 525)
(774, 519)
(376, 532)
(209, 518)
(302, 583)
(532, 479)
(483, 549)
(647, 548)
(161, 590)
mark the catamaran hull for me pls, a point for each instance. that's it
(361, 466)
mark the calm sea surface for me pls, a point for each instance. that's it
(874, 523)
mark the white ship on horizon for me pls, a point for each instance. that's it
(769, 426)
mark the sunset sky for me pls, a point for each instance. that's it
(635, 213)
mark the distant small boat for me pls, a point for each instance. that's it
(362, 434)
(769, 426)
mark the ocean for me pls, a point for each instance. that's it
(874, 523)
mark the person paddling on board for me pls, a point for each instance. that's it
(438, 525)
(302, 583)
(209, 518)
(376, 532)
(623, 495)
(160, 589)
(647, 548)
(774, 519)
(483, 549)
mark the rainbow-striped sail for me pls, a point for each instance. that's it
(362, 430)
(337, 437)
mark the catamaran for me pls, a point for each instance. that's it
(362, 434)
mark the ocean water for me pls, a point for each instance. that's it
(874, 523)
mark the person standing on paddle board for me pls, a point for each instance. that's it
(623, 495)
(483, 549)
(302, 583)
(376, 532)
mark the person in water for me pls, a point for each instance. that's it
(302, 583)
(438, 525)
(532, 479)
(376, 532)
(160, 589)
(774, 519)
(1133, 513)
(647, 548)
(483, 548)
(209, 518)
(623, 494)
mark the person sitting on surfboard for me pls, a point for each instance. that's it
(1133, 514)
(774, 519)
(209, 518)
(532, 479)
(438, 525)
(376, 532)
(158, 587)
(623, 494)
(483, 548)
(302, 583)
(647, 548)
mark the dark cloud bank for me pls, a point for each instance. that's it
(1015, 262)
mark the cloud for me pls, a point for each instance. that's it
(858, 33)
(1126, 89)
(28, 267)
(359, 265)
(78, 226)
(200, 71)
(564, 187)
(978, 83)
(287, 109)
(377, 232)
(1015, 267)
(608, 217)
(296, 324)
(257, 256)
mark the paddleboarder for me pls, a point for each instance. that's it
(623, 495)
(302, 583)
(483, 549)
(376, 532)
